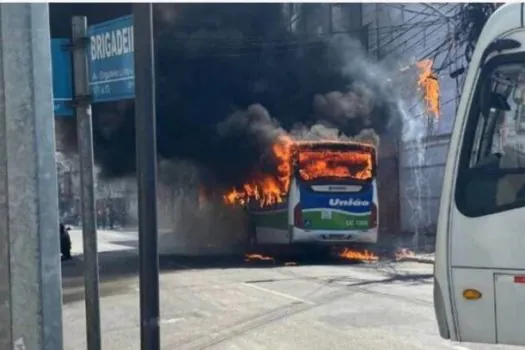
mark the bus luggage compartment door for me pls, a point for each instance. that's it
(510, 303)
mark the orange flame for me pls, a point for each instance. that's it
(268, 188)
(428, 81)
(356, 255)
(251, 257)
(314, 164)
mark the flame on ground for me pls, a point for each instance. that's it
(428, 81)
(357, 255)
(260, 257)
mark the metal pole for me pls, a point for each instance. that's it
(30, 278)
(330, 19)
(146, 175)
(87, 181)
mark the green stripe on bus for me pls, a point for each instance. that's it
(335, 220)
(273, 219)
(317, 221)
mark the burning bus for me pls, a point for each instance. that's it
(325, 194)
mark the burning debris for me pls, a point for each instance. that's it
(364, 256)
(258, 257)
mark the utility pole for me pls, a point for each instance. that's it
(87, 182)
(378, 40)
(146, 148)
(30, 273)
(330, 19)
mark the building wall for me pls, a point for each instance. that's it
(400, 35)
(323, 18)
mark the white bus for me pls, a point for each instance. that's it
(479, 289)
(332, 200)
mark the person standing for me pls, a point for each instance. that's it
(65, 242)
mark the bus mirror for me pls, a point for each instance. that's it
(499, 102)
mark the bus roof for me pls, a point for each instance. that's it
(505, 19)
(335, 144)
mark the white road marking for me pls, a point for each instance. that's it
(284, 295)
(171, 320)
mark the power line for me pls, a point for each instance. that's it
(416, 16)
(419, 41)
(292, 39)
(405, 9)
(393, 40)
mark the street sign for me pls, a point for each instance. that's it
(110, 60)
(62, 79)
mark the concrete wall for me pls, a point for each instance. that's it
(421, 172)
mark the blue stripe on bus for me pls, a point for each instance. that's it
(353, 203)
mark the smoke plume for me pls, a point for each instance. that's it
(231, 80)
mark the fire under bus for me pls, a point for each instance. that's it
(331, 201)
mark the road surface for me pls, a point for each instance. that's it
(233, 304)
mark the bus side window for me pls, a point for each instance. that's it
(492, 179)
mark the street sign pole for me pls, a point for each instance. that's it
(87, 181)
(146, 174)
(30, 279)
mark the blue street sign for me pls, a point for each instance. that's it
(110, 60)
(62, 81)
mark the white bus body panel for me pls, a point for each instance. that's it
(482, 253)
(297, 235)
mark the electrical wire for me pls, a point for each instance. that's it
(412, 45)
(420, 13)
(403, 8)
(413, 27)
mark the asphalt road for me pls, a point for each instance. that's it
(228, 303)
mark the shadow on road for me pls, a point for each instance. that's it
(117, 268)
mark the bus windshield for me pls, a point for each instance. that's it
(335, 161)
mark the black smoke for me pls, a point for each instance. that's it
(231, 78)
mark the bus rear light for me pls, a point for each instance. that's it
(372, 219)
(519, 279)
(298, 216)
